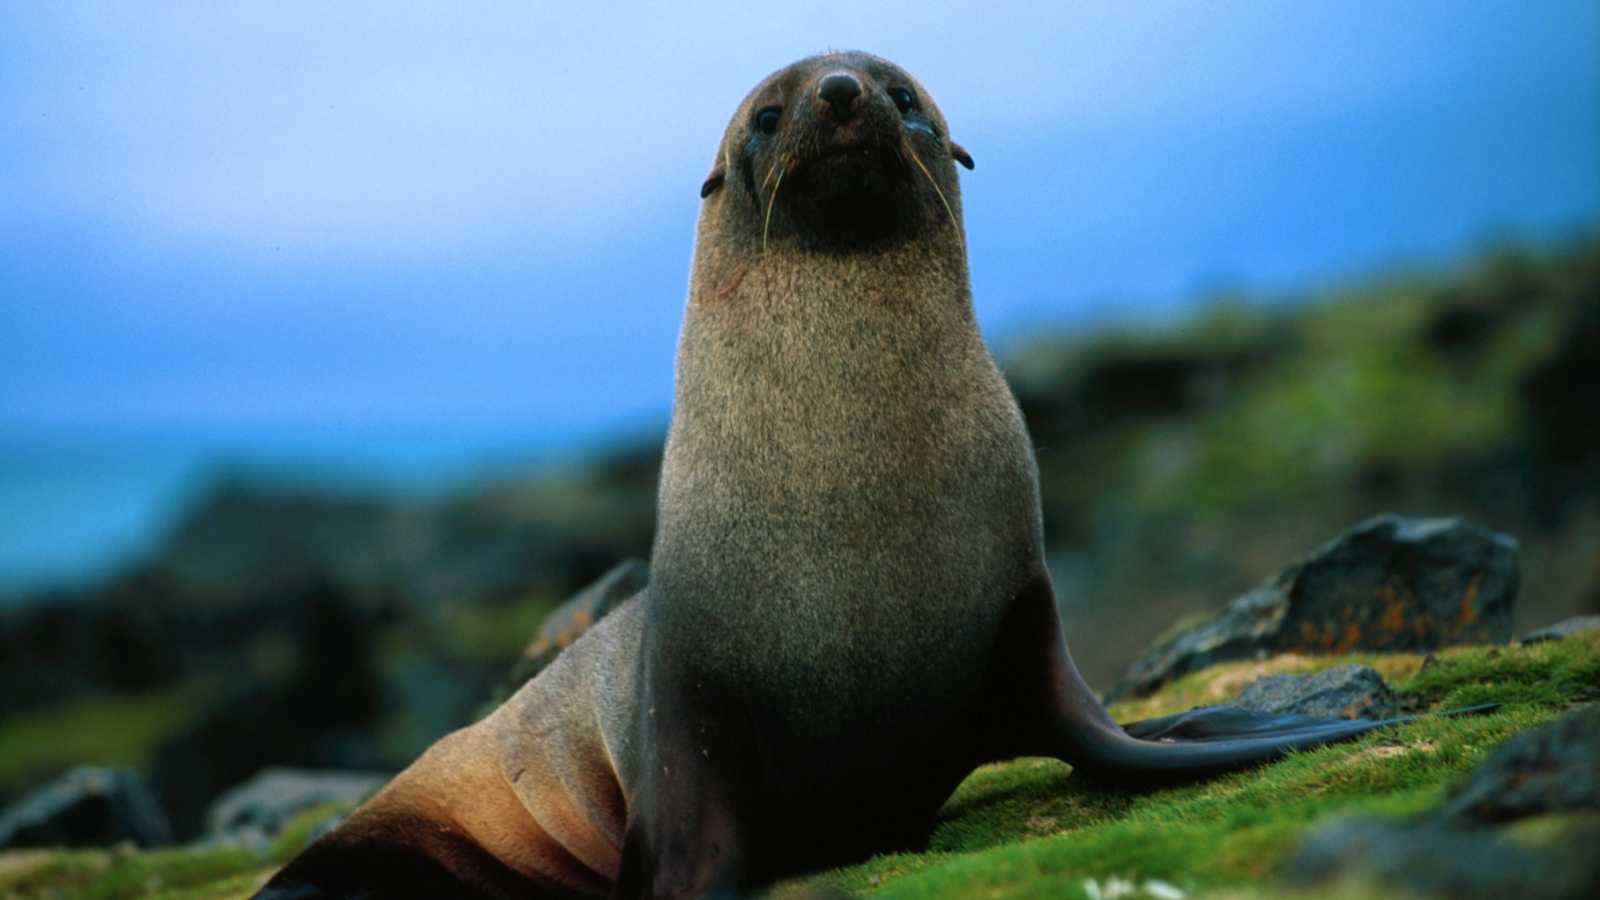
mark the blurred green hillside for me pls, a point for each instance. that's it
(1181, 464)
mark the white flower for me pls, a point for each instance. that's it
(1161, 890)
(1121, 887)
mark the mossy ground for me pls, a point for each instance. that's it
(197, 873)
(1028, 829)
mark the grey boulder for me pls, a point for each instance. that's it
(1343, 692)
(1563, 629)
(90, 806)
(257, 810)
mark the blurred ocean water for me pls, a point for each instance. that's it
(78, 504)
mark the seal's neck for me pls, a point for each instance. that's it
(826, 350)
(782, 299)
(837, 323)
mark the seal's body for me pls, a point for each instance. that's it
(848, 607)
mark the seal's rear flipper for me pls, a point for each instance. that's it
(1223, 723)
(1033, 702)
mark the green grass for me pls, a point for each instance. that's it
(180, 874)
(297, 833)
(213, 873)
(1027, 828)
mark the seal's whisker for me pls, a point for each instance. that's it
(918, 160)
(771, 200)
(770, 172)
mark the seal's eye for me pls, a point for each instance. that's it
(767, 120)
(902, 99)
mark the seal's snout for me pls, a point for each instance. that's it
(832, 148)
(840, 91)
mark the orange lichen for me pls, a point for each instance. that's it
(1352, 637)
(1394, 618)
(1469, 609)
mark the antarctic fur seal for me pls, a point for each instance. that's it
(848, 607)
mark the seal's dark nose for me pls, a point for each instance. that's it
(840, 90)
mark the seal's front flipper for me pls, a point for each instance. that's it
(336, 868)
(688, 832)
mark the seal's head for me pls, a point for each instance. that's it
(838, 152)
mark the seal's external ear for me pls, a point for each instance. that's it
(960, 155)
(713, 182)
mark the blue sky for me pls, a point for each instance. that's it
(467, 219)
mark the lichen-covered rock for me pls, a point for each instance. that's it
(1562, 629)
(257, 810)
(1389, 584)
(1343, 692)
(90, 806)
(572, 618)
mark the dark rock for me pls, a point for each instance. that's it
(1562, 629)
(1462, 328)
(1432, 860)
(335, 684)
(1343, 692)
(1116, 382)
(259, 808)
(1555, 768)
(319, 715)
(1562, 394)
(226, 574)
(135, 635)
(571, 619)
(490, 544)
(1389, 584)
(90, 806)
